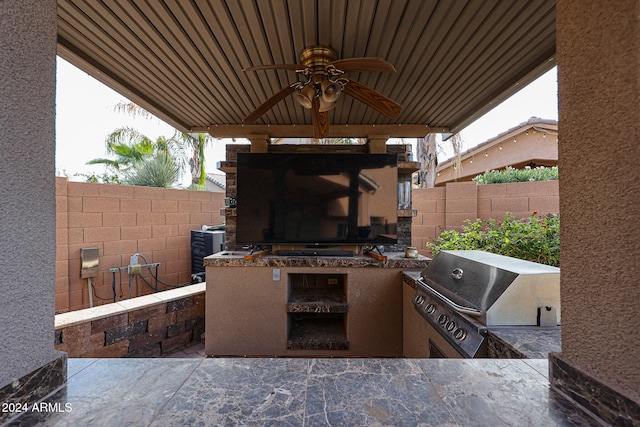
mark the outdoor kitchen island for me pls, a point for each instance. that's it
(305, 305)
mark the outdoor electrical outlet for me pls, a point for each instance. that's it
(134, 269)
(276, 274)
(133, 260)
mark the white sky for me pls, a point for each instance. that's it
(85, 115)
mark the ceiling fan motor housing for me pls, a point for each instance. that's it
(316, 58)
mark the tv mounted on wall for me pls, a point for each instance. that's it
(316, 199)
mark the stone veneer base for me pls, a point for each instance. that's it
(597, 399)
(34, 386)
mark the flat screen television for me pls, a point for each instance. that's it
(316, 199)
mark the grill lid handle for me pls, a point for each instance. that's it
(457, 307)
(457, 273)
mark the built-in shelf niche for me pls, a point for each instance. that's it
(317, 310)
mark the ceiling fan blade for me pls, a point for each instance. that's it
(269, 103)
(320, 120)
(292, 67)
(373, 99)
(363, 64)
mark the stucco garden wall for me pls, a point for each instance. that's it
(121, 221)
(448, 207)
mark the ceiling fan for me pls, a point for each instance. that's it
(322, 84)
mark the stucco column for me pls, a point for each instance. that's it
(30, 366)
(598, 48)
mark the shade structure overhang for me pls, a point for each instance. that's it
(183, 60)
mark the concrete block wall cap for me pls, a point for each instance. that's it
(72, 318)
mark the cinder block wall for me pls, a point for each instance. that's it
(446, 208)
(121, 221)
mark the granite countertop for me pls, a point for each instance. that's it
(308, 392)
(526, 342)
(237, 259)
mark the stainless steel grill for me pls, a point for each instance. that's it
(462, 293)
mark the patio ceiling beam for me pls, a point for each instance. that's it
(306, 131)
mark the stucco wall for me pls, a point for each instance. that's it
(27, 208)
(121, 221)
(599, 93)
(514, 148)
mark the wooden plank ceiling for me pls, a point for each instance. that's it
(183, 59)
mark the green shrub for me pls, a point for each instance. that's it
(510, 174)
(536, 238)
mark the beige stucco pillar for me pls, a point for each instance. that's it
(598, 51)
(30, 367)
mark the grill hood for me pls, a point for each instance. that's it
(497, 290)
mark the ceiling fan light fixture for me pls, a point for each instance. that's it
(326, 106)
(305, 96)
(330, 90)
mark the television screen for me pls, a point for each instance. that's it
(316, 199)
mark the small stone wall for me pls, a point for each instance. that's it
(147, 326)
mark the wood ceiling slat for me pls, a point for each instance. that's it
(296, 23)
(104, 50)
(450, 24)
(74, 54)
(149, 61)
(308, 19)
(393, 40)
(219, 77)
(386, 22)
(338, 17)
(489, 89)
(482, 67)
(325, 23)
(228, 46)
(275, 42)
(421, 32)
(280, 20)
(155, 60)
(364, 25)
(525, 34)
(186, 58)
(454, 59)
(211, 69)
(273, 81)
(183, 58)
(82, 30)
(357, 25)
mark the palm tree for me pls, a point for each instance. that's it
(127, 145)
(428, 158)
(154, 171)
(197, 160)
(139, 160)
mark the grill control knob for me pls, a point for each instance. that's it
(419, 299)
(451, 326)
(460, 334)
(442, 319)
(431, 308)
